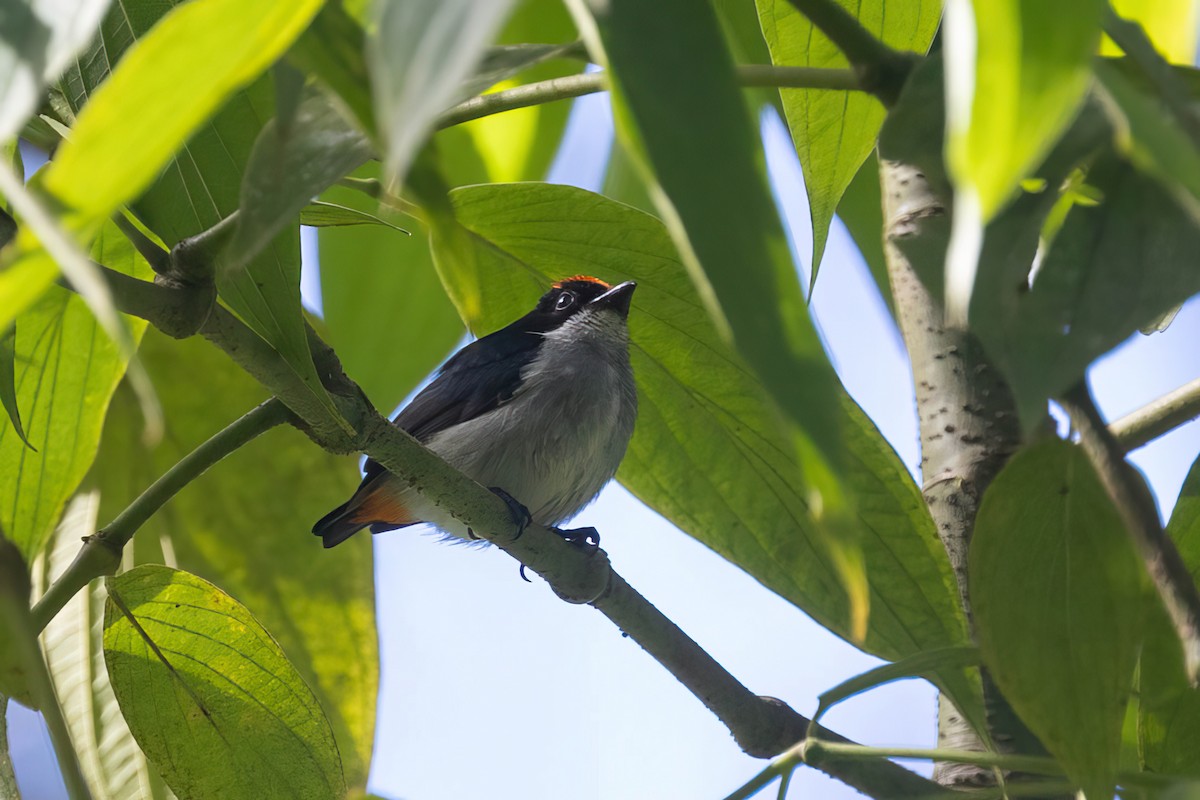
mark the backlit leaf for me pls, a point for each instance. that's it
(834, 132)
(1058, 594)
(209, 695)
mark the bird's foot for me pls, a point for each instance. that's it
(520, 514)
(583, 538)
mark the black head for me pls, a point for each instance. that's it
(571, 296)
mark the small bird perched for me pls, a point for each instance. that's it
(540, 412)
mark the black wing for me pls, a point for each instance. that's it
(482, 376)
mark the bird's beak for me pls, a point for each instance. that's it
(617, 298)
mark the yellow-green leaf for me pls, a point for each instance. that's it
(208, 694)
(1058, 595)
(66, 371)
(834, 132)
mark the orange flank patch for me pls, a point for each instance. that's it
(381, 506)
(588, 278)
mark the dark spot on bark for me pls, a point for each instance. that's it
(950, 429)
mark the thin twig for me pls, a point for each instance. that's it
(881, 70)
(762, 725)
(1158, 417)
(569, 86)
(101, 553)
(158, 258)
(1136, 507)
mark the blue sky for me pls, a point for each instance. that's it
(493, 688)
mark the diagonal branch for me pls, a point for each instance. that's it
(762, 726)
(1135, 505)
(101, 553)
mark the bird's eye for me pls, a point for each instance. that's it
(565, 301)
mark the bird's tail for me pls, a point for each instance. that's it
(374, 505)
(338, 525)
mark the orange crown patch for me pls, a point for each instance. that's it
(588, 278)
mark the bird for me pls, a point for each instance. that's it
(540, 412)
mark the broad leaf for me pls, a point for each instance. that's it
(1016, 73)
(129, 130)
(1113, 268)
(671, 77)
(66, 371)
(1057, 593)
(1171, 24)
(209, 695)
(113, 764)
(288, 166)
(1153, 114)
(1169, 711)
(370, 275)
(200, 187)
(622, 181)
(517, 145)
(37, 41)
(834, 132)
(861, 211)
(16, 626)
(419, 53)
(254, 509)
(320, 214)
(708, 452)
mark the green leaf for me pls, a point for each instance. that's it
(200, 187)
(16, 626)
(1171, 24)
(419, 52)
(255, 509)
(517, 145)
(672, 76)
(319, 214)
(709, 452)
(861, 210)
(369, 274)
(66, 371)
(40, 38)
(834, 132)
(1150, 134)
(1113, 267)
(286, 169)
(113, 764)
(1169, 711)
(915, 666)
(1016, 73)
(8, 387)
(332, 50)
(622, 181)
(127, 132)
(1058, 594)
(209, 695)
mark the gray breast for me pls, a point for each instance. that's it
(561, 437)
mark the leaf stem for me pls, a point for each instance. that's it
(569, 86)
(101, 553)
(1158, 417)
(1136, 506)
(880, 69)
(158, 258)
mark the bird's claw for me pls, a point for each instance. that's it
(583, 538)
(520, 514)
